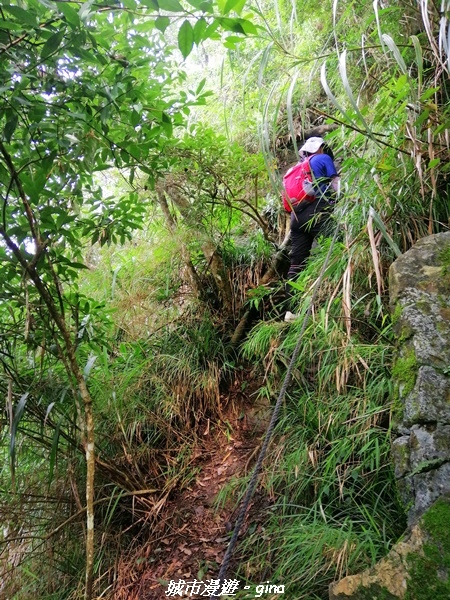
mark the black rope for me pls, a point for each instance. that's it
(287, 379)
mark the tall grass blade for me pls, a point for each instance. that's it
(375, 257)
(329, 93)
(428, 27)
(14, 425)
(378, 221)
(88, 367)
(269, 158)
(289, 111)
(419, 63)
(348, 90)
(263, 65)
(225, 115)
(335, 4)
(53, 453)
(278, 17)
(246, 74)
(293, 21)
(377, 18)
(444, 33)
(346, 297)
(396, 52)
(114, 280)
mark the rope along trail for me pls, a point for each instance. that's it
(287, 379)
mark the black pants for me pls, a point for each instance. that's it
(306, 224)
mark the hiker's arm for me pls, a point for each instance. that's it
(336, 184)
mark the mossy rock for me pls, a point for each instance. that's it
(417, 567)
(429, 571)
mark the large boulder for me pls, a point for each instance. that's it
(419, 287)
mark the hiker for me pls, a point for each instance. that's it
(310, 208)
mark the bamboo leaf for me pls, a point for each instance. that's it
(377, 18)
(235, 5)
(348, 89)
(329, 93)
(263, 64)
(52, 44)
(88, 368)
(25, 17)
(396, 52)
(378, 221)
(70, 13)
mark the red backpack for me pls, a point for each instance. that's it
(298, 185)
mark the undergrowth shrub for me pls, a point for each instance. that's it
(335, 507)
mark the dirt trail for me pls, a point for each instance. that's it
(198, 532)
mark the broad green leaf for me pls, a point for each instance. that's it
(248, 27)
(185, 38)
(162, 23)
(428, 94)
(200, 86)
(52, 44)
(151, 4)
(422, 117)
(25, 17)
(434, 163)
(231, 41)
(10, 127)
(236, 5)
(238, 25)
(211, 29)
(199, 30)
(70, 13)
(12, 26)
(170, 5)
(221, 6)
(207, 7)
(201, 5)
(85, 10)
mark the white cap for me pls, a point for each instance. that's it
(312, 144)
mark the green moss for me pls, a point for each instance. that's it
(397, 313)
(402, 329)
(404, 372)
(429, 573)
(424, 307)
(397, 409)
(444, 257)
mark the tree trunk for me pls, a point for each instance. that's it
(194, 279)
(75, 374)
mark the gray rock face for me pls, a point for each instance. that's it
(420, 298)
